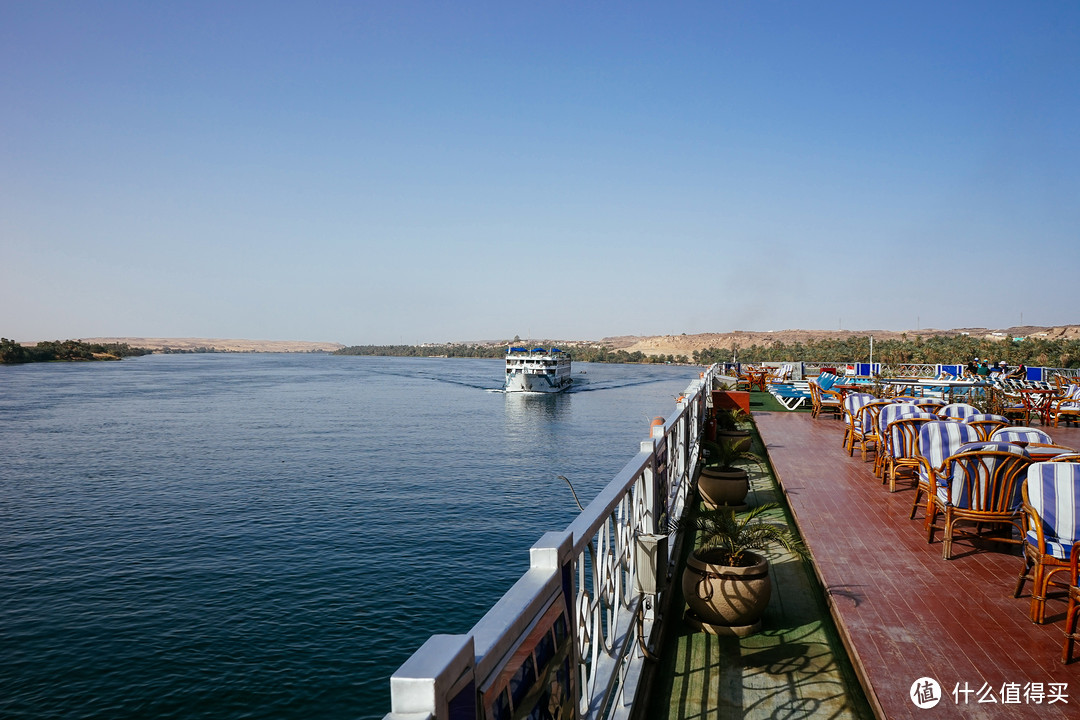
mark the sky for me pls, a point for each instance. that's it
(406, 172)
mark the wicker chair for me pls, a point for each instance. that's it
(865, 427)
(823, 400)
(937, 441)
(1051, 524)
(931, 405)
(1066, 406)
(981, 483)
(744, 379)
(901, 451)
(986, 424)
(1074, 604)
(888, 414)
(851, 405)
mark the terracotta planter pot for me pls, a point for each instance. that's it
(724, 488)
(724, 599)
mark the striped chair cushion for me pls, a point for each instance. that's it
(958, 410)
(986, 416)
(1071, 393)
(826, 380)
(940, 438)
(894, 412)
(854, 402)
(904, 436)
(1021, 434)
(1053, 490)
(981, 467)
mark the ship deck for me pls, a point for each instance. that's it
(879, 608)
(903, 611)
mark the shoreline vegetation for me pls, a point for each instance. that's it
(1035, 352)
(590, 353)
(13, 353)
(1032, 351)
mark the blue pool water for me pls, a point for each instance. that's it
(270, 536)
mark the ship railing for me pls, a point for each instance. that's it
(574, 631)
(928, 370)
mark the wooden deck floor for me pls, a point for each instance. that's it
(904, 611)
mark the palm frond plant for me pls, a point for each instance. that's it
(730, 418)
(727, 538)
(726, 581)
(721, 482)
(724, 456)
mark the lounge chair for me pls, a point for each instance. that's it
(791, 396)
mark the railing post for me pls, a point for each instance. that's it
(437, 682)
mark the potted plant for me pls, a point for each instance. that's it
(726, 581)
(721, 482)
(730, 427)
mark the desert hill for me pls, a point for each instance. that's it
(652, 345)
(220, 345)
(687, 344)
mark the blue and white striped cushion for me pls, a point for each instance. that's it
(894, 412)
(852, 404)
(958, 410)
(898, 447)
(1021, 434)
(854, 401)
(941, 438)
(979, 467)
(1054, 492)
(986, 416)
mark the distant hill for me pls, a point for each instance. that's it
(220, 345)
(687, 344)
(648, 345)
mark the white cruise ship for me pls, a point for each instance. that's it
(537, 370)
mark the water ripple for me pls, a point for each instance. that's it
(265, 536)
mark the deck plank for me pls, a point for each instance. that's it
(905, 611)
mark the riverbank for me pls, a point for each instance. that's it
(13, 353)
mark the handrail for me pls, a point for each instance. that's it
(577, 620)
(904, 370)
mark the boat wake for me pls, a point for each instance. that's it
(436, 378)
(575, 389)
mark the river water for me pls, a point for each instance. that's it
(270, 536)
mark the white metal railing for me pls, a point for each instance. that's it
(590, 577)
(904, 370)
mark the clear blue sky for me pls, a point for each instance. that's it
(383, 172)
